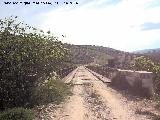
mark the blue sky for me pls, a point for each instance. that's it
(127, 25)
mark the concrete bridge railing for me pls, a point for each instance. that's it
(139, 82)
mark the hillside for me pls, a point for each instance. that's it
(153, 53)
(86, 54)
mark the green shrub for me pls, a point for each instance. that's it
(52, 90)
(26, 54)
(17, 114)
(146, 64)
(143, 63)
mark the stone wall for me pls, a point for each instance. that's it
(138, 82)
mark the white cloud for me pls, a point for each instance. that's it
(115, 26)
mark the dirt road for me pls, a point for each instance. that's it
(93, 100)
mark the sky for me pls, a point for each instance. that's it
(127, 25)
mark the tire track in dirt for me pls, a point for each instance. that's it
(96, 105)
(75, 107)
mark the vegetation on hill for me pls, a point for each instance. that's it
(91, 54)
(86, 54)
(154, 54)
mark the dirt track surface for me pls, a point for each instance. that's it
(93, 100)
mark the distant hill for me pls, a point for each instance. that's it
(152, 53)
(91, 54)
(85, 54)
(147, 51)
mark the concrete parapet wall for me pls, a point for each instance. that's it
(138, 82)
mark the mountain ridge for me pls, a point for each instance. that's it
(146, 50)
(92, 54)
